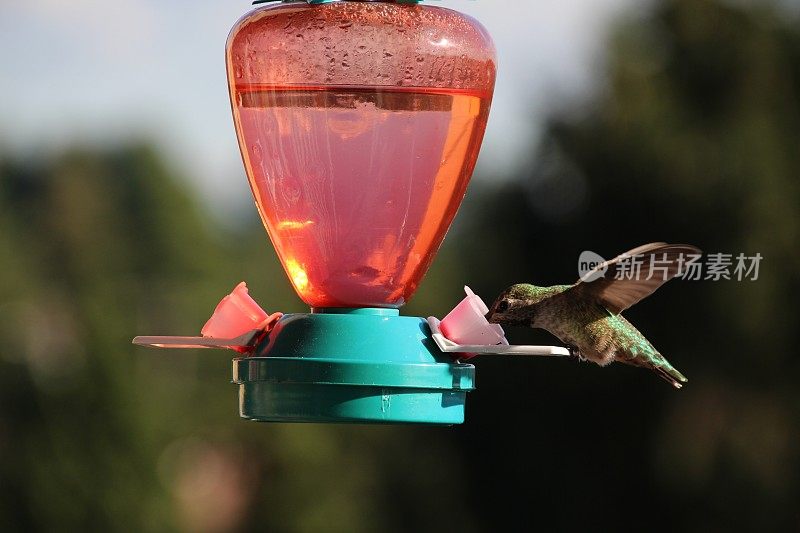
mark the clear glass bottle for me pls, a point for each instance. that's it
(359, 124)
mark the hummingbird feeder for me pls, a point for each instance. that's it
(359, 124)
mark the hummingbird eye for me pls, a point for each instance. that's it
(502, 307)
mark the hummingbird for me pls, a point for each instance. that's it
(587, 316)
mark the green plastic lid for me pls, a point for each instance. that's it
(358, 366)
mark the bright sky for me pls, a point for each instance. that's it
(99, 71)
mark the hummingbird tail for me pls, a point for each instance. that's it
(671, 376)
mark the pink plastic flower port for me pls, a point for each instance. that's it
(238, 323)
(235, 315)
(466, 324)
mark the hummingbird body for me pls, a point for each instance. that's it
(586, 316)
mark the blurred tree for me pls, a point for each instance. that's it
(89, 242)
(692, 138)
(96, 434)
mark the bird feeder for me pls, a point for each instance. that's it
(359, 124)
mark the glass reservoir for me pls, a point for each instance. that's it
(359, 125)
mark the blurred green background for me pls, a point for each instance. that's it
(692, 136)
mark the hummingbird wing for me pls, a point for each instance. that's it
(631, 277)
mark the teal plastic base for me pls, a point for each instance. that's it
(352, 366)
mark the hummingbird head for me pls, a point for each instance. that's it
(516, 305)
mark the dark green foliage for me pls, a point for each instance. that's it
(96, 434)
(694, 140)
